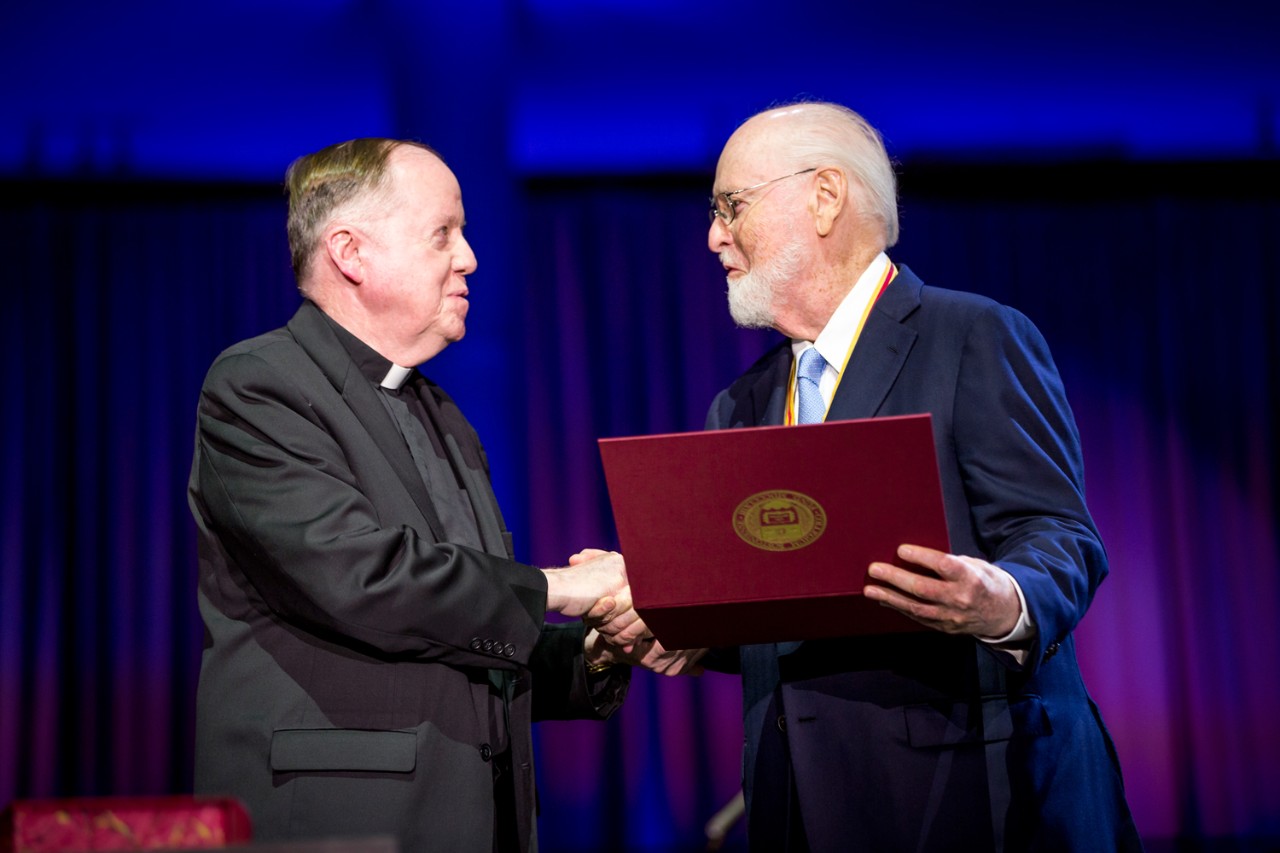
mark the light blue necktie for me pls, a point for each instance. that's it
(811, 408)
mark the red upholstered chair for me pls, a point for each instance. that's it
(122, 823)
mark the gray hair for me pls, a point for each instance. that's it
(322, 184)
(824, 132)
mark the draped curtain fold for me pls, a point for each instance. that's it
(1158, 298)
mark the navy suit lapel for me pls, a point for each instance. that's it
(880, 353)
(768, 394)
(310, 330)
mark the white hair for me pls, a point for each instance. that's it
(820, 132)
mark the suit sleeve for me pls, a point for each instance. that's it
(718, 416)
(563, 689)
(1019, 451)
(277, 495)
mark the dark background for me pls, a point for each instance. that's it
(1109, 169)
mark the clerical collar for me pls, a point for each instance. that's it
(396, 376)
(372, 365)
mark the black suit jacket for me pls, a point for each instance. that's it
(356, 666)
(930, 742)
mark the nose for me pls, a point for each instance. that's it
(718, 236)
(465, 260)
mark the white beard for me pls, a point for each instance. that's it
(754, 299)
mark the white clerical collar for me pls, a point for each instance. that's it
(396, 377)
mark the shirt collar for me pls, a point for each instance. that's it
(396, 377)
(372, 365)
(834, 339)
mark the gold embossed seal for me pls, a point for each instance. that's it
(779, 520)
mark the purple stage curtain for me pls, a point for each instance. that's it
(1157, 291)
(1156, 288)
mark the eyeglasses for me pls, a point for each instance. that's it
(725, 206)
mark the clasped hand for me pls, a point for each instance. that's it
(617, 634)
(577, 589)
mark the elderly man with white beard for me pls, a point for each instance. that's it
(975, 733)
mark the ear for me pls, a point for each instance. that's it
(343, 247)
(831, 195)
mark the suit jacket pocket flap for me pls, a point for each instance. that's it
(995, 719)
(343, 749)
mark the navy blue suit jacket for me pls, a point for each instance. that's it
(929, 741)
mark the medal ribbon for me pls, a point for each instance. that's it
(889, 275)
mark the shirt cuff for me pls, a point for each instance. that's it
(1015, 642)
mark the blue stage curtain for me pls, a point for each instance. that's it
(119, 300)
(1156, 288)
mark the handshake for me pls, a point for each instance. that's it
(594, 586)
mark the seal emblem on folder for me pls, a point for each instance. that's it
(780, 520)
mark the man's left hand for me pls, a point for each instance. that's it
(962, 595)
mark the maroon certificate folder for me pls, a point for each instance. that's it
(765, 534)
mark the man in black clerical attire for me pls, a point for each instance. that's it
(374, 655)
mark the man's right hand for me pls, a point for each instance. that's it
(575, 589)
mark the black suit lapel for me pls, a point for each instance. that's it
(467, 459)
(880, 353)
(362, 398)
(310, 329)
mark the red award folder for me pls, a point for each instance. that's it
(765, 534)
